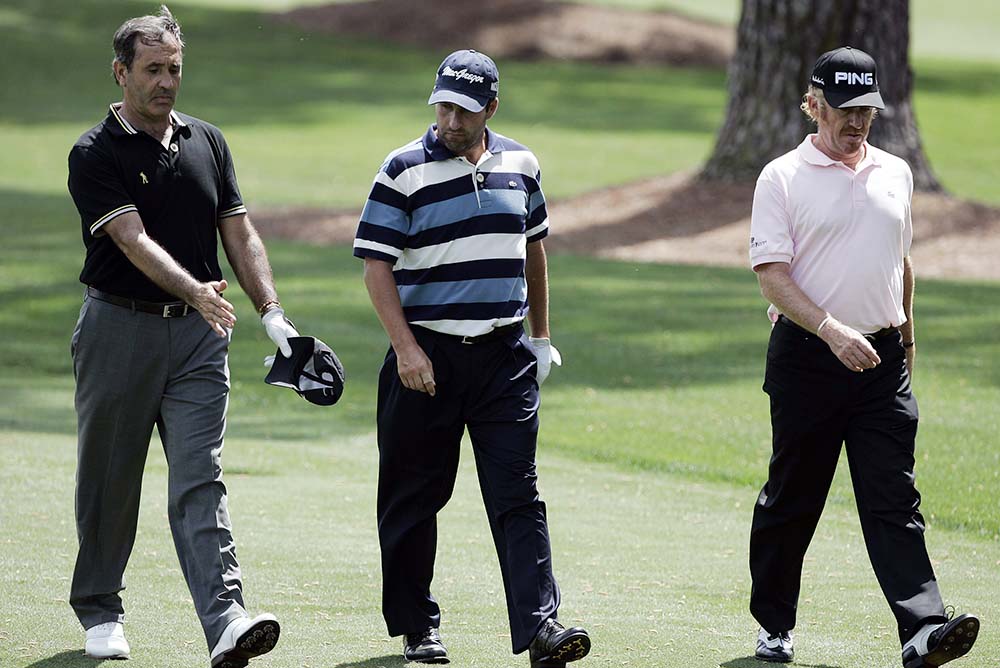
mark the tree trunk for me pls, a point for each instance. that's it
(777, 43)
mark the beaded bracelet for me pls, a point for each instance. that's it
(266, 306)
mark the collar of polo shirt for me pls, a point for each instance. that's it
(438, 151)
(123, 127)
(808, 151)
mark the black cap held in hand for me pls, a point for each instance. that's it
(313, 371)
(848, 78)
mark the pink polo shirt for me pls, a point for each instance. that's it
(844, 232)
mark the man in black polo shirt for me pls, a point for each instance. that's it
(153, 188)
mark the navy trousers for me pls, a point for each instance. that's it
(491, 389)
(818, 405)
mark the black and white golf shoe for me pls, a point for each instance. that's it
(244, 639)
(775, 647)
(937, 645)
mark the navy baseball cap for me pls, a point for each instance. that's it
(848, 78)
(313, 371)
(466, 78)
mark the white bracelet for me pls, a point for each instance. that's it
(825, 320)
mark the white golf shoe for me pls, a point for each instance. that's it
(775, 647)
(244, 639)
(107, 641)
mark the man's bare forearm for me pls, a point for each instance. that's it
(777, 286)
(149, 257)
(385, 298)
(248, 258)
(907, 328)
(415, 369)
(849, 345)
(537, 276)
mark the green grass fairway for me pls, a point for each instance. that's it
(653, 564)
(955, 105)
(654, 443)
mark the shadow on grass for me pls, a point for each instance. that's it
(620, 326)
(743, 662)
(73, 658)
(751, 662)
(388, 661)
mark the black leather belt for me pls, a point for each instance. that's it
(885, 331)
(163, 309)
(882, 333)
(493, 334)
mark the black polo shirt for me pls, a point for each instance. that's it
(180, 193)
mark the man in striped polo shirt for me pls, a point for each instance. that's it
(451, 236)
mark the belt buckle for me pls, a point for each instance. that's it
(169, 310)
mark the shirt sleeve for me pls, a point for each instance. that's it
(770, 225)
(537, 225)
(230, 200)
(385, 223)
(97, 188)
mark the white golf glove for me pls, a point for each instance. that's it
(547, 355)
(279, 328)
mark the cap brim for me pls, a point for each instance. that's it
(842, 101)
(284, 372)
(462, 100)
(296, 372)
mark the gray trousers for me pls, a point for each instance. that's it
(134, 370)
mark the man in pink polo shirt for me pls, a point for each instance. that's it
(830, 241)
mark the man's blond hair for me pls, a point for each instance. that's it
(816, 93)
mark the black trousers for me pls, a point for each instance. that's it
(491, 389)
(817, 405)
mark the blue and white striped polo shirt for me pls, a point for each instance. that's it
(456, 233)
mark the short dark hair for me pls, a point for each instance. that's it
(150, 29)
